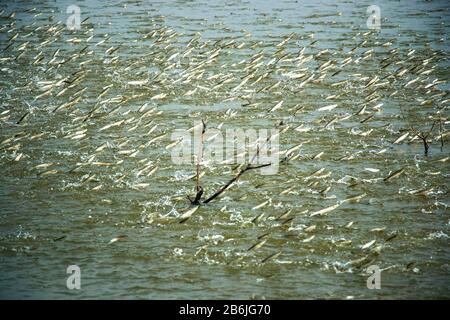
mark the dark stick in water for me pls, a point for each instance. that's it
(235, 178)
(199, 158)
(198, 187)
(198, 196)
(440, 132)
(240, 173)
(424, 137)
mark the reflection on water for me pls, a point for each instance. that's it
(87, 178)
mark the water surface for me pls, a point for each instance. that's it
(69, 184)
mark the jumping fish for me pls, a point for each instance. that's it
(394, 174)
(325, 210)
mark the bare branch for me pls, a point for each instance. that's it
(234, 179)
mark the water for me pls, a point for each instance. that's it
(52, 219)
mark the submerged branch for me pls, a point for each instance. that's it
(424, 137)
(234, 179)
(198, 187)
(248, 167)
(199, 159)
(198, 196)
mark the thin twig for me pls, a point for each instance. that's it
(240, 173)
(198, 187)
(421, 135)
(235, 178)
(200, 157)
(198, 196)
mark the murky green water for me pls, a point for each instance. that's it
(70, 182)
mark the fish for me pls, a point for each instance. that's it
(263, 236)
(287, 190)
(391, 237)
(277, 106)
(401, 138)
(186, 215)
(410, 265)
(260, 205)
(328, 108)
(257, 245)
(325, 210)
(137, 82)
(43, 165)
(114, 124)
(118, 238)
(271, 256)
(159, 96)
(173, 144)
(284, 215)
(359, 262)
(48, 172)
(18, 157)
(355, 198)
(368, 244)
(394, 174)
(317, 156)
(367, 119)
(258, 218)
(141, 185)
